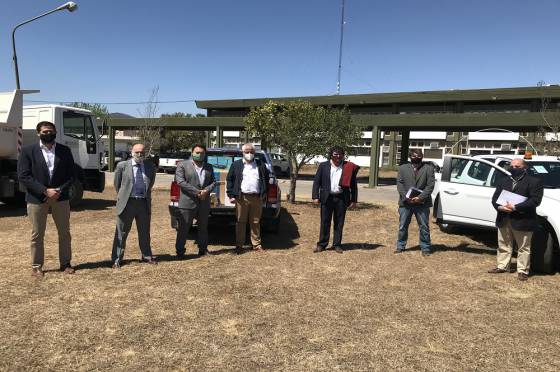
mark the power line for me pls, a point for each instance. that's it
(113, 103)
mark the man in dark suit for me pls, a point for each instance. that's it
(516, 222)
(334, 198)
(46, 169)
(417, 178)
(196, 180)
(134, 179)
(247, 185)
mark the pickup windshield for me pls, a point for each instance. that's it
(224, 160)
(547, 171)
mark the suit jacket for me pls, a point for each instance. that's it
(424, 180)
(33, 172)
(235, 176)
(187, 179)
(322, 185)
(524, 218)
(124, 181)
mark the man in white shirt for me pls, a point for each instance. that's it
(247, 184)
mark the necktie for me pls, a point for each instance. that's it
(139, 187)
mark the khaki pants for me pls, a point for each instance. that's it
(248, 207)
(38, 216)
(506, 236)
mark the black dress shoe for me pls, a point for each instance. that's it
(318, 249)
(203, 252)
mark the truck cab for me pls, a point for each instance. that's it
(76, 128)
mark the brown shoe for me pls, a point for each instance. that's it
(338, 249)
(68, 270)
(497, 270)
(318, 249)
(522, 277)
(259, 249)
(37, 272)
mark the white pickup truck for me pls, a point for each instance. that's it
(168, 161)
(463, 196)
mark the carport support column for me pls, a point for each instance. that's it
(111, 152)
(219, 137)
(405, 142)
(374, 157)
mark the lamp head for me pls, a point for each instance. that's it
(71, 6)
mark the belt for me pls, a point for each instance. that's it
(138, 197)
(249, 193)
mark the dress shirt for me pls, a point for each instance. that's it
(250, 180)
(336, 173)
(48, 154)
(200, 172)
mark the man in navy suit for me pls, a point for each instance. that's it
(333, 198)
(46, 169)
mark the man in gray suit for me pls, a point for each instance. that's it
(415, 183)
(134, 179)
(196, 180)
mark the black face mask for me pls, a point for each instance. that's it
(516, 172)
(47, 137)
(416, 160)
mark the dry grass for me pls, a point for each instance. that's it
(286, 309)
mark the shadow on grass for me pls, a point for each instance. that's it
(363, 246)
(13, 210)
(94, 205)
(463, 247)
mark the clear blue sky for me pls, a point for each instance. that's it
(118, 50)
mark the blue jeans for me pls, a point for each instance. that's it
(422, 217)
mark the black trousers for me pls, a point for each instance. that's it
(334, 209)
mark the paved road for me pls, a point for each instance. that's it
(303, 188)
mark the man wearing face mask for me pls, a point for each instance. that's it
(335, 189)
(134, 179)
(46, 169)
(247, 185)
(196, 180)
(415, 183)
(516, 222)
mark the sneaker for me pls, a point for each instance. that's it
(426, 253)
(398, 251)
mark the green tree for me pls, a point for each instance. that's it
(180, 140)
(302, 130)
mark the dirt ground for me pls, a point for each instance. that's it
(285, 309)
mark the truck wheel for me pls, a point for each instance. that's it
(76, 193)
(543, 251)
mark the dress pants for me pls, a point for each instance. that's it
(185, 219)
(61, 215)
(136, 209)
(248, 207)
(333, 209)
(506, 236)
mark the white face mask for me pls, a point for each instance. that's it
(138, 157)
(249, 156)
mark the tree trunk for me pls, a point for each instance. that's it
(293, 180)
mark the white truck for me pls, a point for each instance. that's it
(463, 194)
(75, 128)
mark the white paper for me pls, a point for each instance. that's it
(511, 197)
(540, 169)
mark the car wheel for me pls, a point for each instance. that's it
(543, 250)
(76, 193)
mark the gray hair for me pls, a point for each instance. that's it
(247, 146)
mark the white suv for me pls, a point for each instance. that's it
(463, 196)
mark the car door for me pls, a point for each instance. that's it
(466, 189)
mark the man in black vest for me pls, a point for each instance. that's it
(516, 222)
(46, 169)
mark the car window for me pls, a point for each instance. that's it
(470, 172)
(224, 160)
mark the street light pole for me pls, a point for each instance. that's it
(70, 6)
